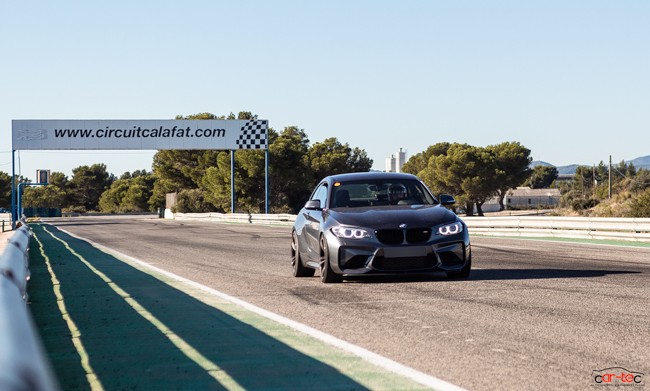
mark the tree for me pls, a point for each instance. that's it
(640, 181)
(44, 197)
(176, 170)
(542, 177)
(192, 200)
(418, 162)
(291, 177)
(249, 180)
(480, 183)
(56, 194)
(330, 157)
(216, 184)
(130, 193)
(111, 199)
(512, 167)
(88, 184)
(5, 188)
(294, 168)
(467, 172)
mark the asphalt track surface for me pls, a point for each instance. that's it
(533, 314)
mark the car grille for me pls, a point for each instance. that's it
(417, 235)
(404, 264)
(396, 236)
(390, 236)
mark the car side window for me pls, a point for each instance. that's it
(321, 194)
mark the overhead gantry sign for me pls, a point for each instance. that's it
(141, 135)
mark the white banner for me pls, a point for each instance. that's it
(139, 134)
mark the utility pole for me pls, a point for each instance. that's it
(610, 177)
(582, 183)
(593, 177)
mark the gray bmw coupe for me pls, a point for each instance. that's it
(378, 223)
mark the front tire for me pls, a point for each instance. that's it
(297, 268)
(327, 275)
(461, 274)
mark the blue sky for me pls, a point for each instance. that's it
(568, 79)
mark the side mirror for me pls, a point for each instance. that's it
(313, 205)
(446, 199)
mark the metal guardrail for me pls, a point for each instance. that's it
(23, 365)
(637, 229)
(255, 218)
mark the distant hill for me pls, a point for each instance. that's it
(536, 163)
(640, 162)
(570, 169)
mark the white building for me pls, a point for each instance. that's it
(395, 162)
(527, 198)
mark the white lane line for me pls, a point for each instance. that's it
(371, 357)
(93, 381)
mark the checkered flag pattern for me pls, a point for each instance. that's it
(253, 135)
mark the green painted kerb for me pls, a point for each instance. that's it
(607, 242)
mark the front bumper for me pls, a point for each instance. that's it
(360, 257)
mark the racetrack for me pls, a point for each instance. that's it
(533, 315)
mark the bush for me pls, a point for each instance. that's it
(640, 207)
(583, 204)
(566, 200)
(75, 210)
(192, 201)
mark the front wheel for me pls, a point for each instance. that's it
(327, 275)
(461, 274)
(297, 268)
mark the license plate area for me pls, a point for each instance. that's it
(403, 252)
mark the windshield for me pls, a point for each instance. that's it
(380, 193)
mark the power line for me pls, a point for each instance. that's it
(631, 179)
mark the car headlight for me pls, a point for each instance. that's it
(350, 232)
(450, 229)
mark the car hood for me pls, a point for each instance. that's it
(393, 216)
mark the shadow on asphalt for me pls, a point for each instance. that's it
(535, 274)
(127, 351)
(492, 275)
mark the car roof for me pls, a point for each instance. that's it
(374, 175)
